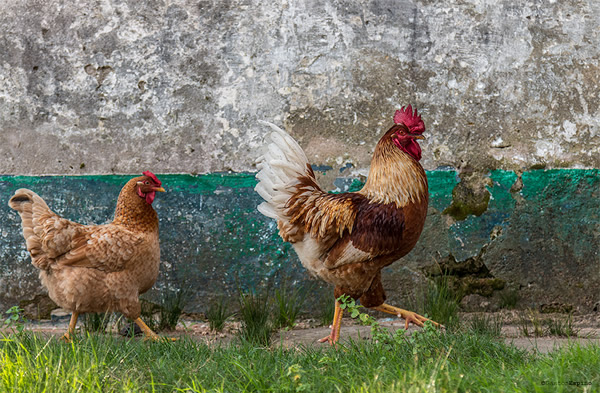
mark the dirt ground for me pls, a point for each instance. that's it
(586, 327)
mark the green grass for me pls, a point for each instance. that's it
(288, 302)
(437, 302)
(428, 361)
(486, 324)
(256, 326)
(95, 322)
(217, 314)
(509, 299)
(562, 327)
(326, 310)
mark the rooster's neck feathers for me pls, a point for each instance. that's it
(394, 176)
(134, 212)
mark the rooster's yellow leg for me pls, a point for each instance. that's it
(408, 316)
(67, 336)
(148, 333)
(336, 326)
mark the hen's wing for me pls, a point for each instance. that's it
(105, 247)
(51, 239)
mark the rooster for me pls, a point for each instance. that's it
(346, 239)
(96, 268)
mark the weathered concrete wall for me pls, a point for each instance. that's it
(538, 236)
(178, 86)
(112, 87)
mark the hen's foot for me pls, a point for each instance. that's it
(408, 316)
(67, 336)
(149, 334)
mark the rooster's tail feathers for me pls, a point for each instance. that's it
(279, 169)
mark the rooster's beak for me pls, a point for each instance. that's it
(418, 137)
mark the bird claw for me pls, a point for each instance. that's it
(413, 317)
(66, 338)
(325, 339)
(158, 338)
(328, 339)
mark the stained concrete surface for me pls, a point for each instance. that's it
(538, 241)
(121, 86)
(509, 94)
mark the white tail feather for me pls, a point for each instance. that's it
(280, 166)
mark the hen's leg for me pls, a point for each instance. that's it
(148, 333)
(408, 316)
(71, 329)
(336, 326)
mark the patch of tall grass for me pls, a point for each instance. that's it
(429, 360)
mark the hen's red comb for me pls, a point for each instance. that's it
(153, 177)
(409, 119)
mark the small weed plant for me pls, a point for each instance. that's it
(254, 314)
(509, 299)
(217, 314)
(562, 328)
(148, 314)
(421, 340)
(530, 324)
(96, 322)
(439, 303)
(288, 302)
(171, 307)
(486, 324)
(326, 311)
(14, 319)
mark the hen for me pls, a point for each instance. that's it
(346, 239)
(96, 268)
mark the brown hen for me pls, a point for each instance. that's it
(346, 239)
(96, 268)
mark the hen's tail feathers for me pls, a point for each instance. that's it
(33, 210)
(280, 168)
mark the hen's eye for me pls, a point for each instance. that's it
(147, 183)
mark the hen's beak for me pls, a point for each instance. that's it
(159, 189)
(417, 136)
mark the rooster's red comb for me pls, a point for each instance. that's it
(153, 177)
(409, 119)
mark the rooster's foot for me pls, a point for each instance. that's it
(331, 339)
(66, 338)
(334, 336)
(408, 316)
